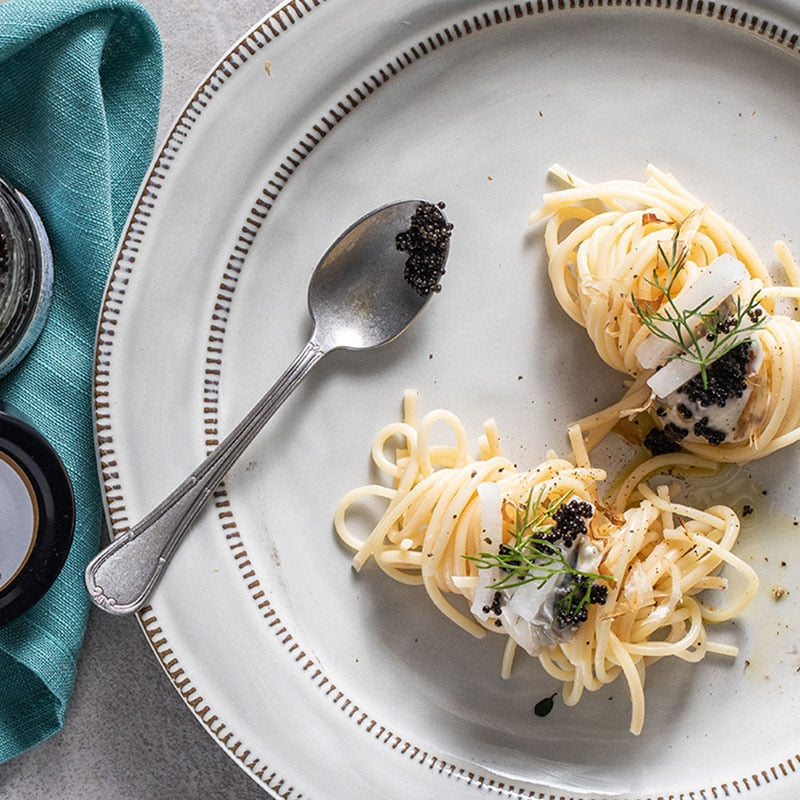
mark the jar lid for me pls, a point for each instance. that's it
(37, 515)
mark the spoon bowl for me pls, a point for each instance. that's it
(366, 290)
(358, 296)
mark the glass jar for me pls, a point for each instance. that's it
(37, 515)
(26, 276)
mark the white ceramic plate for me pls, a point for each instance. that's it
(326, 684)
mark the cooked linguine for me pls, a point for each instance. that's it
(593, 586)
(675, 296)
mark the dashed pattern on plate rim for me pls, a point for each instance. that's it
(255, 44)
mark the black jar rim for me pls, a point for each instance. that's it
(35, 456)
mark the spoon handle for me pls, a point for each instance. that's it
(121, 577)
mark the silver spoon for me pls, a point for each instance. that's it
(360, 296)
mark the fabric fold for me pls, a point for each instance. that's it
(80, 86)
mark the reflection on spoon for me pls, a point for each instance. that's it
(366, 291)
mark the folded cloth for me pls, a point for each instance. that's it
(80, 87)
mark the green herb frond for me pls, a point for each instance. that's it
(532, 558)
(701, 336)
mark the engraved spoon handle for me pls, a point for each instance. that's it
(122, 575)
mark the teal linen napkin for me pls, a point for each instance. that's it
(80, 87)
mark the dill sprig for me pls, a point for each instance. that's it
(702, 337)
(535, 557)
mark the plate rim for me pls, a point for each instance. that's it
(254, 43)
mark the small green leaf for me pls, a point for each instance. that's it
(535, 557)
(722, 330)
(544, 706)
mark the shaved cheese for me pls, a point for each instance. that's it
(526, 611)
(715, 284)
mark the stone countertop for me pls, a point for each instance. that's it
(128, 735)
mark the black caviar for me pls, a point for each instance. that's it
(426, 242)
(659, 443)
(577, 591)
(496, 607)
(726, 378)
(712, 435)
(570, 521)
(675, 432)
(573, 598)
